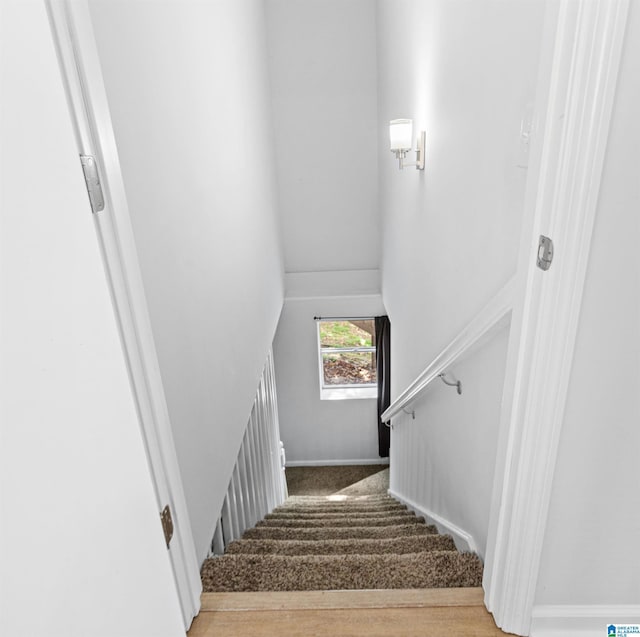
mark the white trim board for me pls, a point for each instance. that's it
(585, 621)
(464, 541)
(336, 463)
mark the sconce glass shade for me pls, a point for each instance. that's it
(401, 134)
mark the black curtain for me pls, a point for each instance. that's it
(383, 372)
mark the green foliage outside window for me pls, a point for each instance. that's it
(341, 366)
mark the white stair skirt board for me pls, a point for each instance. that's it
(464, 541)
(586, 621)
(336, 463)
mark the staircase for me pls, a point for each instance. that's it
(313, 543)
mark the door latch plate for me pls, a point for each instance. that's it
(92, 180)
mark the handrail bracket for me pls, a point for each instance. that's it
(457, 383)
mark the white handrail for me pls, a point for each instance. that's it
(488, 319)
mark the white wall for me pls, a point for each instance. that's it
(443, 460)
(591, 549)
(188, 89)
(322, 63)
(322, 60)
(81, 546)
(465, 72)
(313, 430)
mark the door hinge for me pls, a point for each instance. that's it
(167, 524)
(92, 180)
(545, 252)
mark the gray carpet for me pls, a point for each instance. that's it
(332, 479)
(407, 544)
(337, 515)
(351, 519)
(376, 483)
(293, 505)
(337, 532)
(429, 569)
(355, 542)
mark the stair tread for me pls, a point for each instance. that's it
(314, 513)
(309, 510)
(408, 544)
(337, 532)
(349, 600)
(339, 503)
(344, 521)
(433, 569)
(316, 543)
(340, 498)
(313, 499)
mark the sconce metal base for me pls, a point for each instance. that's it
(420, 146)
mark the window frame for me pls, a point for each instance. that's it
(343, 391)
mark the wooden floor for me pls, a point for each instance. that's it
(388, 613)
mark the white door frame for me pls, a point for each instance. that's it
(581, 52)
(80, 67)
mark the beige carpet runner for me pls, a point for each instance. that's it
(361, 542)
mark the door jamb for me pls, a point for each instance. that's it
(581, 53)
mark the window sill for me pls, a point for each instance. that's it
(348, 393)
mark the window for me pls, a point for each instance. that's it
(347, 358)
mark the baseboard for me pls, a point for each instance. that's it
(464, 541)
(585, 621)
(334, 463)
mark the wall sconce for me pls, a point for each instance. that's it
(401, 138)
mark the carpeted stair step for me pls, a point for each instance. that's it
(337, 532)
(330, 507)
(408, 544)
(319, 512)
(322, 543)
(300, 500)
(286, 515)
(389, 520)
(434, 569)
(340, 498)
(344, 509)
